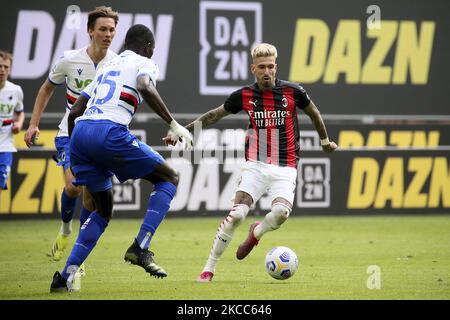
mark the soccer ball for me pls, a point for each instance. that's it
(281, 263)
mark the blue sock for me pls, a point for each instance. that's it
(84, 214)
(67, 206)
(158, 205)
(88, 236)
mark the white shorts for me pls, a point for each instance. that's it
(258, 178)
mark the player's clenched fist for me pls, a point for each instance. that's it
(31, 135)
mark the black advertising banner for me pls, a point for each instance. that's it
(347, 182)
(351, 56)
(379, 169)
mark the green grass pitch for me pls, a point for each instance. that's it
(413, 253)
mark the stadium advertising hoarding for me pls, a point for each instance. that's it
(352, 57)
(379, 169)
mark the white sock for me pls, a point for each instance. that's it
(221, 242)
(272, 221)
(66, 228)
(224, 235)
(268, 224)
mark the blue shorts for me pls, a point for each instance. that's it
(62, 145)
(6, 160)
(102, 148)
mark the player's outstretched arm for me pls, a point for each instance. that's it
(314, 114)
(151, 96)
(42, 99)
(77, 110)
(209, 118)
(206, 119)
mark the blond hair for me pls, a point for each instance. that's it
(264, 50)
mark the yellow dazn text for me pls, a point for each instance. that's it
(315, 55)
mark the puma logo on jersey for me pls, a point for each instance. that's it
(253, 102)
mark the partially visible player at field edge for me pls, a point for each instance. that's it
(272, 151)
(76, 68)
(101, 145)
(11, 117)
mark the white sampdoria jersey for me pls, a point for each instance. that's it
(77, 70)
(113, 95)
(11, 100)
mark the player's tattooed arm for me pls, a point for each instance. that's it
(314, 114)
(209, 117)
(204, 120)
(77, 110)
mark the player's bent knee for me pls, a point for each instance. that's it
(174, 178)
(280, 213)
(88, 203)
(72, 191)
(104, 203)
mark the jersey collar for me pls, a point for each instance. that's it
(127, 53)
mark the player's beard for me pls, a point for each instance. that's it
(266, 83)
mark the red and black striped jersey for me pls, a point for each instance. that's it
(273, 133)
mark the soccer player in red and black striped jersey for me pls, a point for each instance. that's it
(271, 151)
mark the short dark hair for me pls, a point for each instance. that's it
(101, 12)
(138, 36)
(6, 56)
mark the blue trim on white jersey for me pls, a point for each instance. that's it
(73, 91)
(126, 109)
(84, 94)
(132, 89)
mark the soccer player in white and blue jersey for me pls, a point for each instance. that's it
(11, 117)
(76, 69)
(101, 145)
